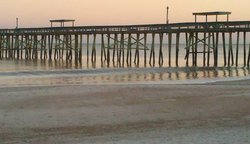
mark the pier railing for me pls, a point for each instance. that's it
(153, 28)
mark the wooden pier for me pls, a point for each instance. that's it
(127, 44)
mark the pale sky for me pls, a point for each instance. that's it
(37, 13)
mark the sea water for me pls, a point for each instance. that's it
(15, 73)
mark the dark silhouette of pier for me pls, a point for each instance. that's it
(124, 43)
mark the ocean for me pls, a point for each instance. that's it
(19, 73)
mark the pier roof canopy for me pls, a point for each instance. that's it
(212, 13)
(215, 13)
(62, 21)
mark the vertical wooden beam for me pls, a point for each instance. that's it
(208, 49)
(129, 50)
(17, 46)
(11, 47)
(67, 46)
(177, 49)
(71, 47)
(224, 48)
(94, 49)
(22, 46)
(114, 47)
(108, 51)
(87, 48)
(169, 48)
(145, 49)
(42, 47)
(196, 48)
(214, 46)
(121, 48)
(45, 47)
(216, 50)
(248, 60)
(244, 51)
(187, 48)
(152, 52)
(31, 41)
(1, 43)
(76, 48)
(137, 57)
(229, 49)
(237, 48)
(160, 51)
(102, 46)
(193, 48)
(204, 49)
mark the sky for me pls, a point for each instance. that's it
(37, 13)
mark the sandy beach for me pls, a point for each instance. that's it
(212, 113)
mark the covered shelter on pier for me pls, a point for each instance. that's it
(216, 14)
(62, 22)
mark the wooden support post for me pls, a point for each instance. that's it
(152, 52)
(137, 55)
(80, 50)
(71, 47)
(42, 47)
(12, 47)
(67, 46)
(22, 47)
(248, 60)
(87, 48)
(26, 47)
(45, 47)
(56, 47)
(224, 48)
(93, 56)
(214, 46)
(244, 51)
(1, 43)
(169, 48)
(76, 48)
(187, 48)
(31, 41)
(160, 50)
(193, 48)
(196, 48)
(216, 50)
(17, 46)
(177, 49)
(237, 48)
(204, 49)
(51, 38)
(121, 55)
(229, 49)
(208, 50)
(102, 47)
(129, 50)
(108, 51)
(145, 49)
(35, 50)
(114, 47)
(7, 49)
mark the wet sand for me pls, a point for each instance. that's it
(101, 114)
